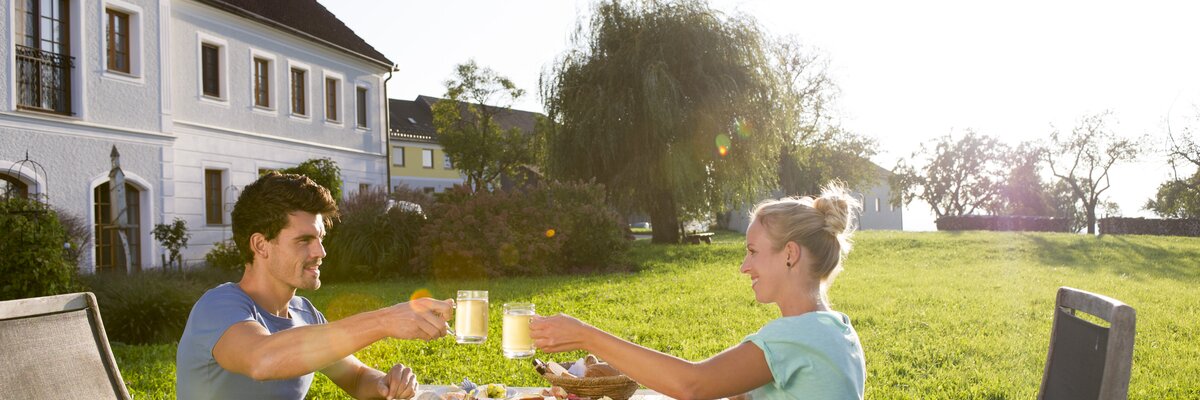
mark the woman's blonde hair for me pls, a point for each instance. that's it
(822, 225)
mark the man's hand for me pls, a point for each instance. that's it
(423, 318)
(399, 383)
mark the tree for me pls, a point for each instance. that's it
(833, 154)
(1082, 159)
(469, 130)
(667, 105)
(960, 177)
(172, 237)
(1180, 196)
(817, 151)
(1022, 191)
(323, 171)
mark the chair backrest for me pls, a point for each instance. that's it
(55, 347)
(1086, 360)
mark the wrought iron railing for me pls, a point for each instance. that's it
(44, 80)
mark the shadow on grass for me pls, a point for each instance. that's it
(1134, 256)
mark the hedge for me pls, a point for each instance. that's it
(1150, 226)
(1006, 223)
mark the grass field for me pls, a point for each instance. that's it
(940, 315)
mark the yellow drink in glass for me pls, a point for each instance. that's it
(471, 316)
(517, 343)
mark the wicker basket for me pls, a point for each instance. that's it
(618, 387)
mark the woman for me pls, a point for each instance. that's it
(794, 249)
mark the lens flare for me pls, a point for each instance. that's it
(420, 293)
(743, 128)
(722, 150)
(723, 144)
(550, 233)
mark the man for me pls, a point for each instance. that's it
(257, 340)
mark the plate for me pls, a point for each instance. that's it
(442, 390)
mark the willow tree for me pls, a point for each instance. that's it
(668, 105)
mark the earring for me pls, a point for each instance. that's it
(789, 264)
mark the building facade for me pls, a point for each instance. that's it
(877, 211)
(196, 97)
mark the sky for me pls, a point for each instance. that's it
(907, 72)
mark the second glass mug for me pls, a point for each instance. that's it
(517, 341)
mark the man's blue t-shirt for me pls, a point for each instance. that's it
(814, 355)
(198, 376)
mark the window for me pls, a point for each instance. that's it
(398, 156)
(109, 253)
(331, 98)
(210, 64)
(360, 105)
(213, 214)
(429, 190)
(262, 82)
(876, 204)
(11, 187)
(446, 163)
(427, 158)
(364, 187)
(298, 90)
(118, 41)
(43, 62)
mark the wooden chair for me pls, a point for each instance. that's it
(1086, 360)
(55, 348)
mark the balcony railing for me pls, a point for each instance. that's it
(44, 80)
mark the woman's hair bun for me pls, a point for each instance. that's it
(838, 207)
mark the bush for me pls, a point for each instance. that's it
(32, 260)
(224, 256)
(554, 228)
(150, 307)
(411, 195)
(79, 235)
(371, 240)
(1004, 223)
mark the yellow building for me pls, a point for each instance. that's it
(417, 160)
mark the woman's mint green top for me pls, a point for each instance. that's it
(815, 355)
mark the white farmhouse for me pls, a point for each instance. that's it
(196, 96)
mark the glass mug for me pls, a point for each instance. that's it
(517, 342)
(471, 316)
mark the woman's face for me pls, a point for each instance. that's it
(766, 266)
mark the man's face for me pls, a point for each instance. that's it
(296, 253)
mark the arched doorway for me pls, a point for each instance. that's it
(109, 254)
(10, 186)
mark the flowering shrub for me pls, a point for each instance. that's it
(31, 243)
(371, 240)
(555, 228)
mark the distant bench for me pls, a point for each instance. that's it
(696, 238)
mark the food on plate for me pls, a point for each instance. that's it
(454, 396)
(528, 396)
(556, 392)
(496, 390)
(427, 395)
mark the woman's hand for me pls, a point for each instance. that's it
(559, 333)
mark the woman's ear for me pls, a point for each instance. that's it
(793, 252)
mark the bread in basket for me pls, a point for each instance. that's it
(616, 386)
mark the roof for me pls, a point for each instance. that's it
(307, 19)
(413, 120)
(410, 120)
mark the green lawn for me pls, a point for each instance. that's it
(941, 315)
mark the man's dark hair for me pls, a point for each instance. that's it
(265, 204)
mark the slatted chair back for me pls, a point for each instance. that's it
(1087, 360)
(55, 348)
